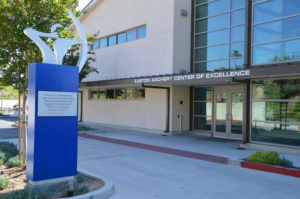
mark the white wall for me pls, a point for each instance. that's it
(180, 93)
(152, 55)
(149, 113)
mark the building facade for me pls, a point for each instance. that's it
(226, 68)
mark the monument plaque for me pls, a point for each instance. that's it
(53, 104)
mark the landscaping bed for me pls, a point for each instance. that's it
(13, 180)
(271, 161)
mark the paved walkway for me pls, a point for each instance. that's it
(219, 147)
(145, 174)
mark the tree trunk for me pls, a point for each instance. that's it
(20, 135)
(24, 128)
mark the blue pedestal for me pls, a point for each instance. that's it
(51, 140)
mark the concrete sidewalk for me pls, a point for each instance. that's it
(145, 174)
(194, 143)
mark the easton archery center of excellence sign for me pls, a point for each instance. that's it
(194, 76)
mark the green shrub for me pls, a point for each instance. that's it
(12, 162)
(9, 149)
(3, 183)
(286, 163)
(79, 178)
(27, 193)
(80, 190)
(255, 157)
(2, 158)
(267, 157)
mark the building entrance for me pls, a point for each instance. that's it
(228, 112)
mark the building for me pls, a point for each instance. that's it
(226, 68)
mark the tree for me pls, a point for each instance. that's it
(17, 50)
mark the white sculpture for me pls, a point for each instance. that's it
(61, 45)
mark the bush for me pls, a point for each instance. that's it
(3, 183)
(12, 162)
(255, 157)
(286, 163)
(9, 149)
(80, 190)
(2, 158)
(79, 178)
(269, 157)
(27, 193)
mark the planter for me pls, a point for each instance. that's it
(103, 193)
(271, 168)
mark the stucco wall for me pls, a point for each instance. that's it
(149, 113)
(180, 93)
(152, 55)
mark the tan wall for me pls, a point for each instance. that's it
(152, 55)
(149, 113)
(182, 37)
(180, 93)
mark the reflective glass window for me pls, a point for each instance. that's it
(211, 66)
(203, 94)
(121, 38)
(273, 9)
(110, 94)
(212, 23)
(277, 30)
(237, 33)
(142, 32)
(202, 123)
(237, 4)
(95, 45)
(237, 50)
(120, 93)
(212, 53)
(140, 94)
(130, 93)
(238, 17)
(201, 1)
(131, 35)
(237, 63)
(212, 8)
(94, 94)
(275, 111)
(103, 42)
(277, 52)
(212, 38)
(102, 94)
(112, 40)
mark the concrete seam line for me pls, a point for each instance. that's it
(103, 193)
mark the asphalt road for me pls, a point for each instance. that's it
(7, 131)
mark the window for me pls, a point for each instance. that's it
(121, 38)
(120, 93)
(130, 93)
(102, 94)
(142, 32)
(140, 94)
(103, 43)
(94, 94)
(219, 35)
(275, 111)
(203, 109)
(112, 40)
(276, 38)
(95, 45)
(110, 94)
(131, 35)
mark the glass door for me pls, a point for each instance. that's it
(228, 112)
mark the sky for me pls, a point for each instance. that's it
(82, 4)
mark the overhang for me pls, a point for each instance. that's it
(200, 79)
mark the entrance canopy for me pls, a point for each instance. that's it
(209, 78)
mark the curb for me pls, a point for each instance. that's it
(103, 193)
(271, 168)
